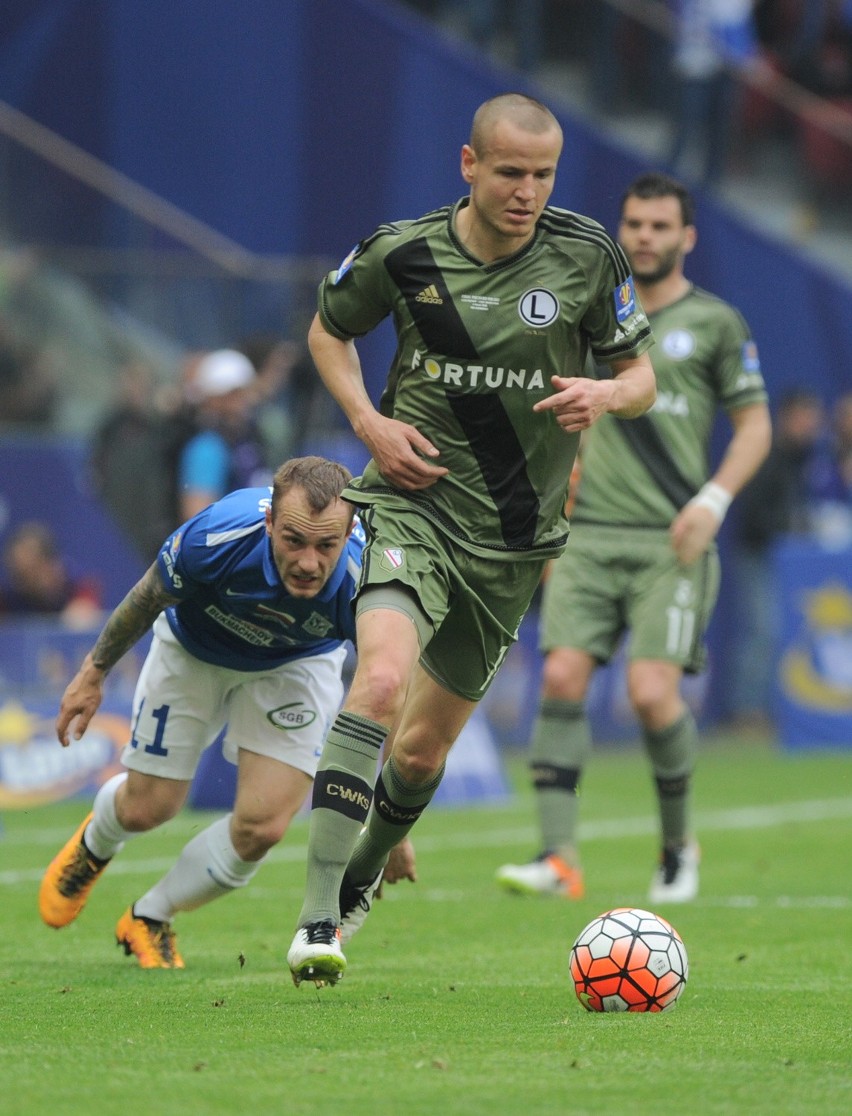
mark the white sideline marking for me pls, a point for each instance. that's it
(746, 817)
(736, 902)
(783, 902)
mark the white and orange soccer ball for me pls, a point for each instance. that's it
(628, 959)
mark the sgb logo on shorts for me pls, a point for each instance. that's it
(292, 716)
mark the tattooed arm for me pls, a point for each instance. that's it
(125, 627)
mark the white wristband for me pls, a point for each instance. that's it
(714, 497)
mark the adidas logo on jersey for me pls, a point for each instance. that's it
(430, 294)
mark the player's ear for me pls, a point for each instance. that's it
(268, 518)
(468, 160)
(690, 237)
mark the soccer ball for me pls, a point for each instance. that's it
(628, 959)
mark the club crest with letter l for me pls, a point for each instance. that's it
(538, 307)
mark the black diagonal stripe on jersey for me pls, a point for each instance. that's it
(652, 451)
(483, 418)
(412, 267)
(503, 464)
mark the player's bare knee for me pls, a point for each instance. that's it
(254, 837)
(559, 682)
(139, 815)
(143, 803)
(418, 767)
(654, 704)
(566, 674)
(378, 692)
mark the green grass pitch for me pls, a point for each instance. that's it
(457, 999)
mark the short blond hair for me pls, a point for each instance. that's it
(524, 112)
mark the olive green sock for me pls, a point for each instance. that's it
(673, 752)
(396, 807)
(343, 790)
(560, 746)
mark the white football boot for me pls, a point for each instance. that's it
(548, 874)
(316, 954)
(355, 903)
(676, 879)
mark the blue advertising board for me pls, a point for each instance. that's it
(39, 657)
(814, 672)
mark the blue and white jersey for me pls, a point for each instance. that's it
(234, 610)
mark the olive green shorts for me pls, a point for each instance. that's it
(467, 608)
(612, 580)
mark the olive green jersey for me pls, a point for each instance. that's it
(640, 473)
(477, 346)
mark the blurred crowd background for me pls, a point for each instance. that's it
(174, 184)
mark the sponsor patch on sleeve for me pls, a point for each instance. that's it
(345, 265)
(625, 299)
(751, 360)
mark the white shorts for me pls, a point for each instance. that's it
(182, 704)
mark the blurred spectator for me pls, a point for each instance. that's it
(37, 580)
(711, 38)
(482, 20)
(627, 58)
(28, 389)
(815, 50)
(820, 59)
(226, 448)
(127, 461)
(280, 415)
(295, 413)
(842, 425)
(606, 86)
(791, 28)
(781, 499)
(27, 386)
(67, 344)
(833, 514)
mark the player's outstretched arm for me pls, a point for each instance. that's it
(578, 401)
(635, 387)
(125, 626)
(397, 448)
(697, 524)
